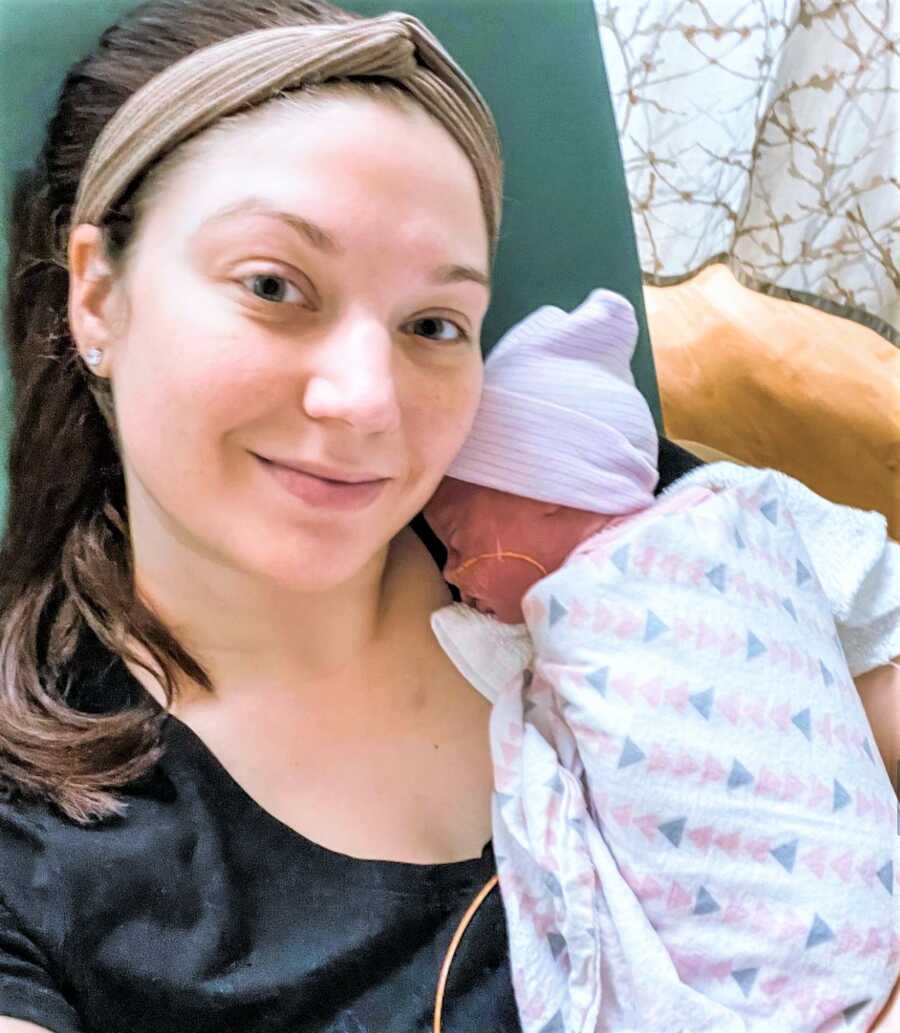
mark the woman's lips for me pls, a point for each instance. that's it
(322, 493)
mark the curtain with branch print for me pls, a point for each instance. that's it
(764, 134)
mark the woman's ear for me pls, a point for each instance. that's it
(93, 295)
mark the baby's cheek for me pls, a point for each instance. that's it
(496, 580)
(477, 580)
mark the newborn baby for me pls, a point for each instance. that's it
(693, 830)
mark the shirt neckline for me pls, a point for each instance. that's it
(405, 877)
(111, 682)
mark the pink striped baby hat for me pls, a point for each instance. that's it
(560, 418)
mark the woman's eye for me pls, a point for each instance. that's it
(432, 325)
(271, 287)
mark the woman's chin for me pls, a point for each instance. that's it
(314, 574)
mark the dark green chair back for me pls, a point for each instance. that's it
(567, 221)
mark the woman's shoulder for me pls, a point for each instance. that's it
(51, 864)
(673, 462)
(49, 860)
(49, 867)
(416, 584)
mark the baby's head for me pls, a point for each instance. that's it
(562, 442)
(499, 545)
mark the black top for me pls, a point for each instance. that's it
(200, 912)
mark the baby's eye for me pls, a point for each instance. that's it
(432, 325)
(272, 287)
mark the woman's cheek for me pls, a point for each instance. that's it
(438, 425)
(174, 417)
(448, 413)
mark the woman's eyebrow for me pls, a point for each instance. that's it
(323, 241)
(460, 274)
(313, 234)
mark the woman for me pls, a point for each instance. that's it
(237, 382)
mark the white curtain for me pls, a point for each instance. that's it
(764, 134)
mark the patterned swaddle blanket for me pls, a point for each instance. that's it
(693, 828)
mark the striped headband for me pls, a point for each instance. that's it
(251, 68)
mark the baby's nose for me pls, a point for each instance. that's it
(450, 576)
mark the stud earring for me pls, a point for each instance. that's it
(94, 357)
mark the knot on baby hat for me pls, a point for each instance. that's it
(560, 419)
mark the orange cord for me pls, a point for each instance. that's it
(454, 943)
(498, 556)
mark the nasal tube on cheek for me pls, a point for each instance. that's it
(499, 556)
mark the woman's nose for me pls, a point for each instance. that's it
(354, 380)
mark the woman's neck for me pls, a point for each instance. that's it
(253, 636)
(296, 647)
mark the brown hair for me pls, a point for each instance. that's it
(65, 558)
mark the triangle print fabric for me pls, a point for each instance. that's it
(694, 830)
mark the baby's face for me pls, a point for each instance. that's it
(496, 544)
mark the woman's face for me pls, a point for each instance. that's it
(341, 336)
